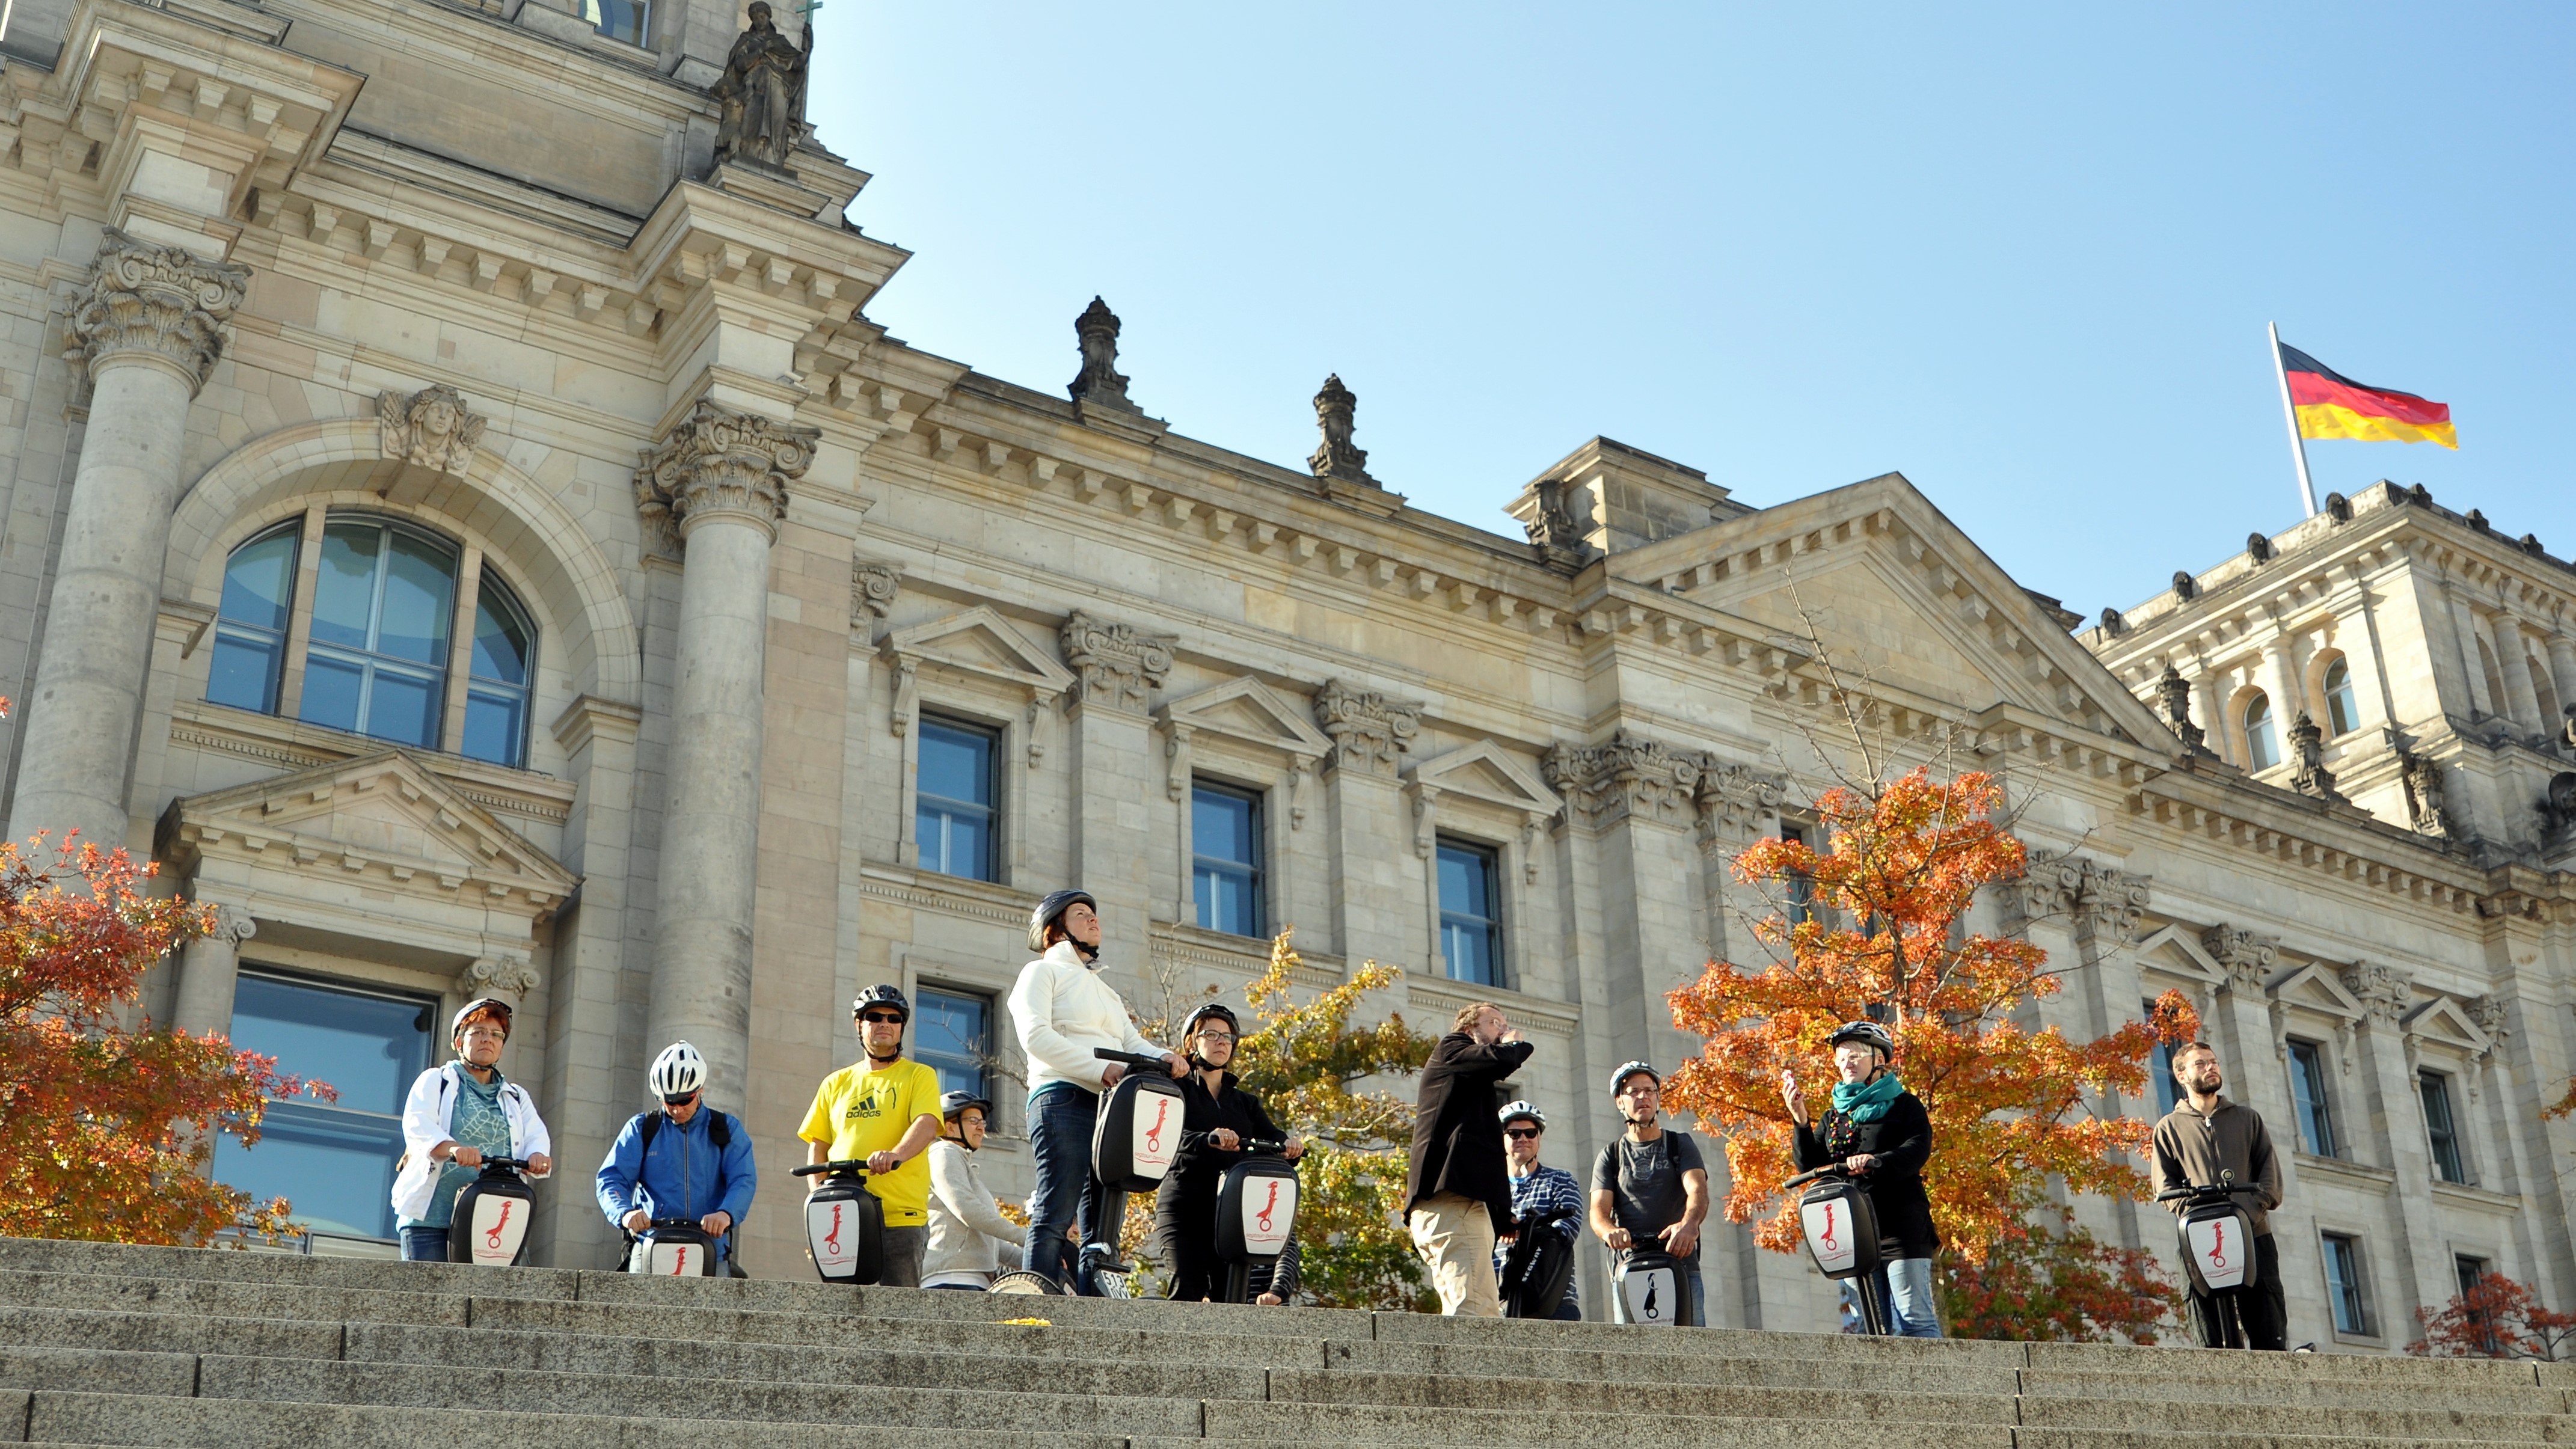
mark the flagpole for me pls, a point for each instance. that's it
(2290, 412)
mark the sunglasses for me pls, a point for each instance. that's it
(681, 1100)
(1520, 1132)
(882, 1018)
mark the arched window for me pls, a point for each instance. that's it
(377, 642)
(2262, 746)
(2342, 713)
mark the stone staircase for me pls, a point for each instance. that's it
(106, 1345)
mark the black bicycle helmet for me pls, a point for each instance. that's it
(1050, 911)
(1619, 1078)
(952, 1103)
(1868, 1033)
(1190, 1027)
(882, 995)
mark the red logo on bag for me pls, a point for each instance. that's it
(1154, 1134)
(832, 1239)
(2218, 1245)
(680, 1265)
(1262, 1218)
(492, 1239)
(1829, 1237)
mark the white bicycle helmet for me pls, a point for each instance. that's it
(677, 1072)
(1524, 1108)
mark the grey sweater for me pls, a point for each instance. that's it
(2192, 1149)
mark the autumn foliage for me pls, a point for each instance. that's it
(2496, 1318)
(2013, 1109)
(2054, 1283)
(106, 1125)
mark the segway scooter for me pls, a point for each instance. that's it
(1650, 1282)
(1538, 1268)
(2218, 1251)
(1256, 1214)
(1840, 1227)
(490, 1226)
(672, 1248)
(844, 1223)
(1133, 1143)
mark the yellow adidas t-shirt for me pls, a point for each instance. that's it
(857, 1112)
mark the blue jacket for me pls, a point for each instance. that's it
(685, 1177)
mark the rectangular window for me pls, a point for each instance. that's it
(334, 1162)
(2160, 1067)
(2438, 1125)
(952, 1031)
(2470, 1271)
(953, 813)
(1225, 865)
(1802, 886)
(2308, 1094)
(1471, 928)
(626, 20)
(2346, 1286)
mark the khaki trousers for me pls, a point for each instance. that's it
(1456, 1238)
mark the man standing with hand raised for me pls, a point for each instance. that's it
(1457, 1193)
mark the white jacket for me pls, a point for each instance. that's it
(429, 1112)
(1063, 1010)
(968, 1234)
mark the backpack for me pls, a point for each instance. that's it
(720, 1133)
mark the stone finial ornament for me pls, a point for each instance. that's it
(1555, 531)
(431, 428)
(2309, 743)
(1336, 409)
(1100, 383)
(2175, 691)
(2114, 624)
(762, 92)
(2427, 804)
(155, 303)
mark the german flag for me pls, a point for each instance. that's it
(2331, 405)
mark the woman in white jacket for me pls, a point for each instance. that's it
(456, 1113)
(970, 1240)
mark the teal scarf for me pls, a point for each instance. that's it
(1868, 1101)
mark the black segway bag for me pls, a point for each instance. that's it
(1650, 1282)
(490, 1226)
(673, 1253)
(2218, 1248)
(845, 1231)
(1537, 1270)
(1840, 1227)
(1138, 1133)
(1256, 1210)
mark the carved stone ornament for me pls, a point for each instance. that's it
(873, 586)
(1336, 409)
(2558, 806)
(1369, 731)
(1733, 799)
(2175, 691)
(719, 462)
(2114, 624)
(2383, 991)
(233, 925)
(1629, 776)
(1100, 383)
(761, 94)
(2107, 905)
(1555, 531)
(430, 428)
(2309, 743)
(1116, 664)
(2247, 956)
(2426, 805)
(495, 975)
(149, 303)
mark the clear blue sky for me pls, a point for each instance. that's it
(2023, 256)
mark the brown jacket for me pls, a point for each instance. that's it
(2191, 1150)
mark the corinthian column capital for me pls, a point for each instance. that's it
(159, 305)
(721, 463)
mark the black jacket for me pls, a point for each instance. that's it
(1457, 1139)
(1902, 1143)
(1199, 1170)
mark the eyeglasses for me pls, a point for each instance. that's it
(1520, 1132)
(1213, 1037)
(882, 1018)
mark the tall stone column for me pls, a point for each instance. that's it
(1117, 668)
(718, 487)
(208, 965)
(2513, 662)
(2419, 1271)
(149, 326)
(2464, 622)
(1371, 734)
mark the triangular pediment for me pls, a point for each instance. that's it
(1248, 710)
(384, 815)
(2314, 987)
(1486, 771)
(2444, 1021)
(2174, 952)
(980, 641)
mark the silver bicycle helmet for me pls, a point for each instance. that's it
(1527, 1109)
(677, 1072)
(1619, 1078)
(1868, 1033)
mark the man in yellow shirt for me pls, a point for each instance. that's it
(885, 1110)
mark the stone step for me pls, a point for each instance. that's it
(218, 1298)
(2331, 1420)
(2357, 1389)
(164, 1265)
(2217, 1363)
(168, 1332)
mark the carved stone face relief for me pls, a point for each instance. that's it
(431, 428)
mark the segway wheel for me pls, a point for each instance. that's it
(1023, 1283)
(1113, 1285)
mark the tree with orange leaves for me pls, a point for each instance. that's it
(2012, 1108)
(106, 1127)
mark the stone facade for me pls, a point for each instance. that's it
(760, 553)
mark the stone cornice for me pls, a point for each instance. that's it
(153, 304)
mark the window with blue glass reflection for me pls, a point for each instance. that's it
(1470, 927)
(250, 628)
(333, 1162)
(2308, 1095)
(1225, 869)
(953, 814)
(952, 1032)
(503, 664)
(2160, 1067)
(382, 606)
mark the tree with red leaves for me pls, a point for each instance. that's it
(2056, 1284)
(107, 1124)
(2496, 1318)
(2013, 1110)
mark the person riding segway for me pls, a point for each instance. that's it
(1880, 1135)
(681, 1171)
(881, 1114)
(1649, 1197)
(1219, 1120)
(2210, 1150)
(455, 1117)
(970, 1240)
(1536, 1270)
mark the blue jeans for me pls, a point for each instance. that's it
(1911, 1313)
(424, 1245)
(1061, 1117)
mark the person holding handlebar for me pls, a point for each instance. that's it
(682, 1159)
(1880, 1132)
(885, 1111)
(1064, 1012)
(2203, 1137)
(1217, 1118)
(455, 1114)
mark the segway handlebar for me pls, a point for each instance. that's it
(495, 1163)
(1263, 1146)
(847, 1167)
(1830, 1169)
(2223, 1189)
(1132, 1059)
(658, 1224)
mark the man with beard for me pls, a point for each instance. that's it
(2204, 1135)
